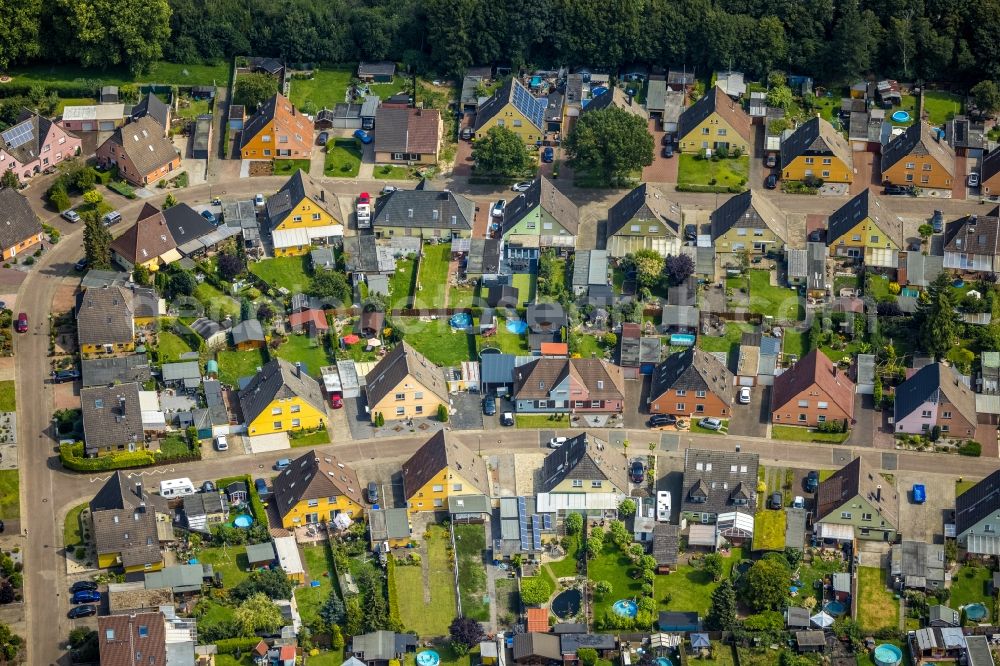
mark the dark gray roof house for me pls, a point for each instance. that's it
(379, 647)
(693, 370)
(943, 616)
(115, 370)
(919, 565)
(718, 481)
(247, 331)
(543, 193)
(155, 108)
(545, 317)
(587, 459)
(419, 209)
(917, 140)
(18, 221)
(276, 380)
(124, 516)
(749, 210)
(112, 420)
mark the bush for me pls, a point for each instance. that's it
(442, 414)
(971, 448)
(534, 591)
(234, 645)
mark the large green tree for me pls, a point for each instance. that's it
(252, 90)
(257, 614)
(722, 613)
(986, 95)
(766, 586)
(330, 285)
(96, 241)
(938, 317)
(501, 152)
(648, 265)
(611, 144)
(20, 23)
(103, 33)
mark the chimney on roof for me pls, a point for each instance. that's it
(878, 493)
(138, 489)
(322, 195)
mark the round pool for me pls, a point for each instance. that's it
(835, 608)
(975, 612)
(662, 661)
(888, 655)
(901, 116)
(460, 320)
(428, 658)
(625, 608)
(517, 326)
(243, 520)
(567, 604)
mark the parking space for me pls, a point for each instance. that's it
(958, 186)
(468, 411)
(463, 160)
(361, 426)
(663, 169)
(865, 172)
(209, 450)
(387, 477)
(751, 420)
(636, 392)
(924, 522)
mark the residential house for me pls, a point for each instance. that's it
(862, 229)
(585, 464)
(21, 230)
(303, 213)
(248, 334)
(857, 502)
(105, 321)
(918, 565)
(629, 341)
(424, 213)
(112, 419)
(408, 136)
(129, 523)
(132, 639)
(666, 545)
(747, 222)
(617, 98)
(315, 490)
(977, 517)
(281, 398)
(115, 370)
(644, 219)
(310, 321)
(381, 71)
(815, 150)
(143, 155)
(93, 117)
(536, 649)
(715, 122)
(206, 510)
(514, 107)
(192, 232)
(277, 131)
(812, 392)
(34, 144)
(442, 468)
(576, 385)
(918, 157)
(154, 107)
(718, 482)
(935, 645)
(542, 217)
(970, 244)
(967, 138)
(935, 395)
(404, 385)
(989, 183)
(390, 526)
(692, 383)
(590, 269)
(147, 243)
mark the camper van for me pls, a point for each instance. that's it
(176, 488)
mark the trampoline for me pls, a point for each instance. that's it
(901, 116)
(598, 91)
(835, 608)
(460, 320)
(428, 658)
(243, 520)
(975, 612)
(625, 608)
(517, 326)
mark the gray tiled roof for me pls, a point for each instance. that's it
(644, 204)
(17, 220)
(277, 380)
(693, 370)
(749, 209)
(247, 331)
(586, 458)
(154, 107)
(544, 193)
(425, 209)
(917, 140)
(718, 475)
(125, 522)
(104, 316)
(111, 416)
(313, 477)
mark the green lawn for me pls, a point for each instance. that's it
(817, 570)
(586, 345)
(962, 486)
(470, 542)
(72, 530)
(722, 655)
(798, 434)
(462, 297)
(877, 286)
(327, 88)
(318, 438)
(437, 340)
(288, 167)
(541, 420)
(566, 567)
(310, 352)
(845, 282)
(941, 106)
(401, 283)
(73, 101)
(795, 343)
(876, 606)
(769, 530)
(343, 158)
(428, 618)
(318, 562)
(230, 561)
(169, 73)
(8, 402)
(432, 279)
(525, 285)
(781, 303)
(504, 340)
(729, 343)
(910, 105)
(970, 584)
(723, 173)
(287, 272)
(690, 587)
(215, 302)
(613, 566)
(246, 660)
(171, 346)
(392, 172)
(192, 108)
(236, 364)
(828, 107)
(325, 658)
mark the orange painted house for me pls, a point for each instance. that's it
(20, 228)
(692, 384)
(277, 131)
(916, 157)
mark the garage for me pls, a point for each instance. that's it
(107, 126)
(88, 127)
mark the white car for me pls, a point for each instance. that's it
(258, 200)
(221, 444)
(521, 187)
(973, 180)
(556, 442)
(498, 208)
(388, 189)
(744, 395)
(71, 215)
(799, 502)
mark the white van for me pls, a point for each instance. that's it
(176, 488)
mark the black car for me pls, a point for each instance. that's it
(771, 181)
(489, 405)
(81, 585)
(811, 482)
(775, 501)
(668, 151)
(937, 221)
(898, 189)
(65, 375)
(690, 232)
(507, 419)
(81, 611)
(637, 471)
(322, 138)
(660, 420)
(373, 492)
(80, 265)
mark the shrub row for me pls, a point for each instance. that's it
(390, 576)
(720, 189)
(72, 458)
(234, 645)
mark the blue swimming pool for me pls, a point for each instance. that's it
(975, 612)
(243, 520)
(625, 608)
(460, 320)
(835, 608)
(907, 291)
(428, 658)
(901, 116)
(682, 339)
(517, 326)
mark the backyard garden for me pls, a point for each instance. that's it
(425, 586)
(697, 174)
(877, 607)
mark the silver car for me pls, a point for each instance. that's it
(710, 423)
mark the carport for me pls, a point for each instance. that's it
(832, 532)
(703, 536)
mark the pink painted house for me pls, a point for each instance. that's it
(34, 144)
(935, 396)
(574, 385)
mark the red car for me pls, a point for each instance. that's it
(336, 401)
(364, 198)
(21, 325)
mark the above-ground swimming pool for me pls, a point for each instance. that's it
(975, 612)
(243, 520)
(428, 658)
(887, 655)
(662, 661)
(460, 320)
(517, 326)
(567, 604)
(625, 608)
(834, 608)
(901, 116)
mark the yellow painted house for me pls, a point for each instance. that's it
(715, 121)
(277, 131)
(281, 398)
(128, 525)
(302, 214)
(585, 464)
(817, 150)
(147, 243)
(514, 107)
(315, 489)
(442, 468)
(862, 229)
(747, 222)
(105, 321)
(404, 384)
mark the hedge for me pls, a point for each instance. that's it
(256, 505)
(234, 645)
(719, 189)
(122, 189)
(73, 458)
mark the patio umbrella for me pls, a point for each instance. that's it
(351, 339)
(822, 619)
(374, 342)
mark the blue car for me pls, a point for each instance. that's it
(210, 216)
(548, 154)
(362, 136)
(919, 493)
(86, 597)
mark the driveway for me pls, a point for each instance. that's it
(924, 522)
(751, 420)
(663, 169)
(865, 417)
(958, 188)
(865, 172)
(636, 392)
(463, 160)
(468, 411)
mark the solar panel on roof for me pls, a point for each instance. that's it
(18, 135)
(546, 521)
(529, 105)
(536, 533)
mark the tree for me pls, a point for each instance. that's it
(59, 197)
(603, 588)
(258, 613)
(252, 90)
(722, 613)
(128, 93)
(713, 565)
(648, 265)
(273, 583)
(336, 637)
(534, 591)
(938, 317)
(588, 656)
(330, 286)
(679, 268)
(230, 266)
(20, 23)
(466, 631)
(986, 95)
(170, 201)
(142, 276)
(10, 179)
(96, 242)
(501, 152)
(780, 97)
(766, 585)
(102, 33)
(10, 643)
(265, 312)
(93, 197)
(626, 508)
(183, 283)
(925, 231)
(610, 144)
(573, 523)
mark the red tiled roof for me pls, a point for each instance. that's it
(304, 317)
(538, 620)
(554, 349)
(814, 370)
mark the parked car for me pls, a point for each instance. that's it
(775, 501)
(710, 423)
(80, 265)
(336, 400)
(937, 221)
(972, 180)
(897, 189)
(507, 419)
(86, 597)
(811, 482)
(548, 154)
(258, 200)
(521, 187)
(221, 444)
(489, 405)
(770, 161)
(114, 217)
(661, 420)
(556, 442)
(260, 485)
(282, 464)
(668, 151)
(322, 138)
(208, 487)
(498, 207)
(71, 215)
(771, 182)
(81, 611)
(799, 502)
(21, 325)
(210, 216)
(81, 585)
(637, 472)
(63, 376)
(389, 189)
(362, 136)
(690, 232)
(466, 133)
(919, 493)
(744, 395)
(372, 492)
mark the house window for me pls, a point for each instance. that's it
(926, 167)
(803, 403)
(296, 423)
(925, 179)
(926, 414)
(721, 132)
(457, 487)
(699, 408)
(945, 428)
(699, 394)
(822, 405)
(437, 489)
(577, 483)
(741, 231)
(439, 502)
(809, 160)
(517, 123)
(297, 218)
(909, 177)
(654, 230)
(313, 502)
(681, 393)
(595, 484)
(400, 396)
(595, 404)
(419, 409)
(295, 409)
(827, 161)
(909, 165)
(635, 228)
(802, 418)
(987, 527)
(277, 425)
(680, 407)
(316, 216)
(865, 531)
(418, 395)
(579, 404)
(856, 238)
(946, 415)
(267, 152)
(400, 411)
(705, 131)
(845, 515)
(275, 411)
(758, 232)
(821, 418)
(826, 174)
(866, 517)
